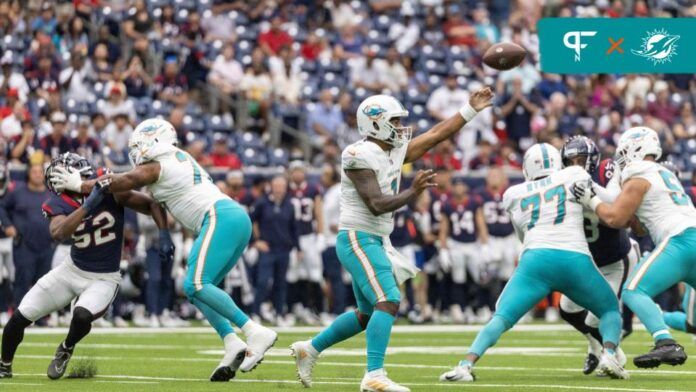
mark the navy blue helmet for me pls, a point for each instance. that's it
(578, 146)
(72, 160)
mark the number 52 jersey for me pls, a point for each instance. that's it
(545, 213)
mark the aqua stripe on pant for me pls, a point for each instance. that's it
(224, 235)
(672, 261)
(542, 271)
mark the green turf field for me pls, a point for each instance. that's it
(530, 358)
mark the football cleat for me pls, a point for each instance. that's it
(59, 364)
(377, 381)
(591, 362)
(5, 370)
(609, 365)
(258, 342)
(235, 351)
(305, 359)
(461, 373)
(665, 351)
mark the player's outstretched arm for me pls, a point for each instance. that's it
(366, 184)
(71, 180)
(143, 204)
(620, 213)
(443, 130)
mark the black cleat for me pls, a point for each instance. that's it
(665, 351)
(59, 364)
(591, 363)
(5, 370)
(223, 374)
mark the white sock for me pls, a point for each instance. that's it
(313, 351)
(249, 327)
(376, 373)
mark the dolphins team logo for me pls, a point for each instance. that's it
(658, 46)
(373, 112)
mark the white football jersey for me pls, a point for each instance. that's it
(666, 209)
(545, 213)
(185, 189)
(354, 213)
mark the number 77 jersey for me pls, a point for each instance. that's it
(545, 214)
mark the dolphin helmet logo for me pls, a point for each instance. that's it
(373, 112)
(658, 46)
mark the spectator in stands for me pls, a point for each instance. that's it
(663, 108)
(22, 147)
(350, 44)
(224, 78)
(517, 110)
(276, 235)
(257, 85)
(221, 156)
(509, 157)
(176, 118)
(167, 25)
(342, 14)
(76, 36)
(98, 123)
(287, 81)
(196, 148)
(274, 38)
(457, 30)
(313, 47)
(446, 100)
(218, 25)
(484, 158)
(333, 272)
(171, 86)
(116, 135)
(324, 118)
(140, 24)
(33, 248)
(405, 32)
(44, 78)
(394, 76)
(367, 72)
(11, 125)
(561, 118)
(234, 182)
(46, 21)
(83, 144)
(56, 142)
(101, 65)
(330, 154)
(485, 30)
(444, 156)
(11, 79)
(526, 72)
(77, 80)
(11, 98)
(117, 102)
(151, 60)
(105, 38)
(136, 80)
(550, 84)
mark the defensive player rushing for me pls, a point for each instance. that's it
(369, 196)
(91, 272)
(222, 228)
(612, 250)
(549, 222)
(656, 197)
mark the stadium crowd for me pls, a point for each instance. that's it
(79, 75)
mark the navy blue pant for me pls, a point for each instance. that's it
(158, 290)
(30, 266)
(334, 274)
(270, 271)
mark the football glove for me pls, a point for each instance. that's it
(165, 246)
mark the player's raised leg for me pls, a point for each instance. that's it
(225, 232)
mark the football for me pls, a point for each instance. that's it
(504, 55)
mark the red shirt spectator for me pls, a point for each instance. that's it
(311, 48)
(459, 32)
(221, 156)
(272, 40)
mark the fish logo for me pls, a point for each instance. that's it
(658, 46)
(373, 112)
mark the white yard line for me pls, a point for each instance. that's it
(127, 382)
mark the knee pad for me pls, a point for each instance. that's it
(82, 315)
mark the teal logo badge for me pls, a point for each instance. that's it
(658, 46)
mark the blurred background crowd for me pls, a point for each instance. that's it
(263, 94)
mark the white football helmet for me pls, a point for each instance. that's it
(540, 160)
(374, 114)
(148, 134)
(635, 144)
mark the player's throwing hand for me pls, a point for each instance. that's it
(424, 179)
(481, 99)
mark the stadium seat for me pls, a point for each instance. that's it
(278, 157)
(160, 108)
(194, 124)
(216, 123)
(254, 157)
(251, 140)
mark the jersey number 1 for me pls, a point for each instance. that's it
(534, 202)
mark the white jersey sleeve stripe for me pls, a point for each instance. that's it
(365, 262)
(644, 268)
(203, 252)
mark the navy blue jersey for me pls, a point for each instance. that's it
(497, 220)
(437, 201)
(404, 232)
(462, 218)
(276, 222)
(97, 242)
(607, 244)
(302, 198)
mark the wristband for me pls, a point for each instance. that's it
(595, 202)
(92, 201)
(468, 112)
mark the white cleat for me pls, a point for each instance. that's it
(258, 342)
(235, 351)
(305, 358)
(461, 373)
(377, 381)
(609, 365)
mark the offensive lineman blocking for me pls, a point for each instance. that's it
(369, 196)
